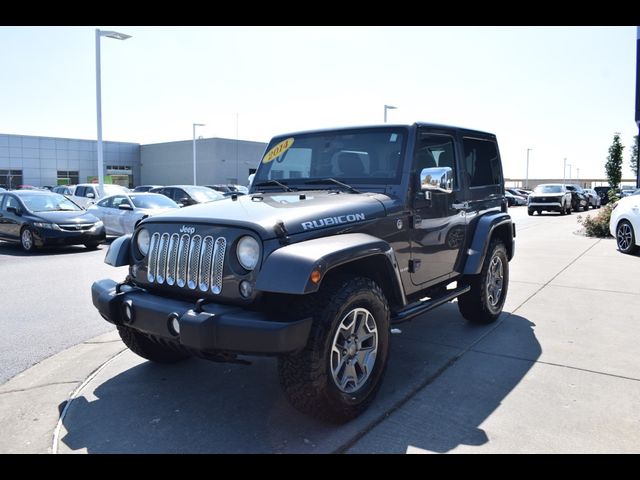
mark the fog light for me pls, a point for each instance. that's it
(246, 289)
(174, 324)
(127, 307)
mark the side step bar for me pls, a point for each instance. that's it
(418, 308)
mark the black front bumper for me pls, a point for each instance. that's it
(212, 328)
(49, 238)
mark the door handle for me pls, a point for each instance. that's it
(460, 206)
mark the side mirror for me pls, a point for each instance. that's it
(15, 210)
(91, 195)
(125, 206)
(185, 201)
(436, 179)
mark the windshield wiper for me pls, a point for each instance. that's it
(274, 182)
(332, 180)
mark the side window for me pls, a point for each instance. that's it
(119, 200)
(435, 150)
(1, 200)
(178, 194)
(482, 162)
(107, 203)
(80, 191)
(10, 202)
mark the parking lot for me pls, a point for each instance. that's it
(558, 372)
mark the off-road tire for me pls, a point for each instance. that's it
(306, 377)
(142, 345)
(475, 305)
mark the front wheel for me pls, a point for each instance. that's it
(625, 237)
(530, 211)
(26, 240)
(337, 375)
(483, 303)
(92, 245)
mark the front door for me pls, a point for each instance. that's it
(439, 223)
(10, 220)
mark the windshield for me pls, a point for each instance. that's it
(203, 194)
(548, 189)
(152, 200)
(48, 203)
(350, 156)
(111, 189)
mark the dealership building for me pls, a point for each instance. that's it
(40, 161)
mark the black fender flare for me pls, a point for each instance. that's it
(119, 253)
(498, 223)
(288, 269)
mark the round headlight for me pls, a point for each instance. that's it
(248, 252)
(142, 240)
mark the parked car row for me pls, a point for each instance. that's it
(37, 218)
(78, 214)
(561, 198)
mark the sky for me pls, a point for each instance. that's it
(561, 91)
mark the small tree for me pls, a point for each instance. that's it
(613, 167)
(633, 161)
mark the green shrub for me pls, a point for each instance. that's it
(597, 225)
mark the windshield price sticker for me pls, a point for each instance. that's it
(278, 150)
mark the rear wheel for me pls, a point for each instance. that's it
(142, 345)
(337, 375)
(26, 240)
(625, 237)
(483, 303)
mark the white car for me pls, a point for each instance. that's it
(86, 194)
(625, 223)
(121, 213)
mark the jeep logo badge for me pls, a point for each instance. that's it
(189, 230)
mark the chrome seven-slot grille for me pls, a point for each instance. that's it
(187, 261)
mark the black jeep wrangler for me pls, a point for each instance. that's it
(343, 234)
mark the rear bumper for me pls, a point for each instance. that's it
(213, 328)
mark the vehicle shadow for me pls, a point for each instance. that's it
(196, 406)
(14, 250)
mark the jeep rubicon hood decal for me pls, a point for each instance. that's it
(299, 212)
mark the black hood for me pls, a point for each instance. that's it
(299, 212)
(65, 217)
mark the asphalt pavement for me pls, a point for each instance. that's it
(557, 373)
(43, 298)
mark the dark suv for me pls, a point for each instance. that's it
(343, 234)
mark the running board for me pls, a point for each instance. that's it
(415, 309)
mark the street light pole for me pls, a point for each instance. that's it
(526, 183)
(569, 165)
(388, 107)
(117, 36)
(194, 149)
(564, 172)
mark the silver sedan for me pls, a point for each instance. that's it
(121, 213)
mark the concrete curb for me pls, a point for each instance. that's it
(33, 401)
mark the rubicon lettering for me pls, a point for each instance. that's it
(328, 221)
(189, 230)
